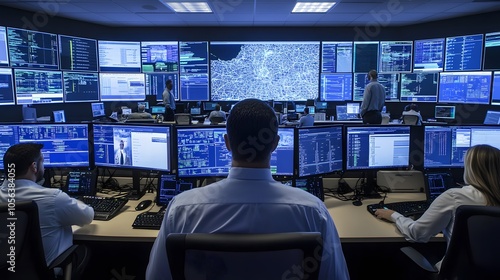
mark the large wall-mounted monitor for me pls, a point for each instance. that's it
(6, 87)
(132, 146)
(495, 91)
(491, 59)
(336, 87)
(365, 56)
(160, 56)
(319, 150)
(429, 55)
(336, 57)
(78, 54)
(465, 87)
(377, 147)
(464, 53)
(119, 56)
(64, 145)
(122, 87)
(419, 87)
(155, 84)
(38, 86)
(81, 86)
(395, 56)
(445, 146)
(390, 81)
(4, 54)
(264, 70)
(203, 153)
(33, 49)
(194, 87)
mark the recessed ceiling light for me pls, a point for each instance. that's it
(312, 7)
(188, 7)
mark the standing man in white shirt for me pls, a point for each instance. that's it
(122, 156)
(56, 210)
(169, 101)
(230, 205)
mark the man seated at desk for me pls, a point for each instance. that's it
(217, 113)
(306, 119)
(140, 114)
(229, 206)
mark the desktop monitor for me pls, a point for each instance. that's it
(126, 111)
(492, 117)
(132, 146)
(97, 109)
(352, 108)
(312, 109)
(319, 150)
(299, 108)
(321, 105)
(377, 147)
(157, 110)
(209, 106)
(64, 145)
(195, 110)
(444, 112)
(145, 103)
(29, 113)
(59, 116)
(445, 146)
(202, 152)
(168, 187)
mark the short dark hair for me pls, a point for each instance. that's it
(22, 155)
(217, 107)
(306, 110)
(373, 74)
(252, 128)
(168, 82)
(414, 107)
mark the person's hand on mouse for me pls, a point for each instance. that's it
(384, 214)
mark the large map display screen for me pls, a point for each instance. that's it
(264, 70)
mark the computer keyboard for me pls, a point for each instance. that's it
(405, 208)
(105, 208)
(149, 220)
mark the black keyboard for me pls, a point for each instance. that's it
(149, 220)
(405, 208)
(105, 208)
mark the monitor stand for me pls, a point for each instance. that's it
(136, 192)
(370, 186)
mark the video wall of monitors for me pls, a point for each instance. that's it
(39, 67)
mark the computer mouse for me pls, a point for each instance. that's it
(357, 203)
(143, 204)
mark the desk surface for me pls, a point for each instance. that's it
(353, 223)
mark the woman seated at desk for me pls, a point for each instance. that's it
(481, 164)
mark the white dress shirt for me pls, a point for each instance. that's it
(249, 201)
(440, 215)
(57, 213)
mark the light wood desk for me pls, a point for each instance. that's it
(353, 223)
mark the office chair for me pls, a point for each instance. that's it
(244, 256)
(30, 260)
(474, 248)
(216, 120)
(385, 119)
(182, 119)
(410, 119)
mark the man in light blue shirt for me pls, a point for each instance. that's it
(373, 100)
(56, 210)
(306, 119)
(249, 200)
(169, 101)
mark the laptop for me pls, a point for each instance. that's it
(436, 183)
(81, 183)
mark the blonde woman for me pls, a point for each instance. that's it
(481, 166)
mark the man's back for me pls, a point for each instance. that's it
(250, 201)
(307, 120)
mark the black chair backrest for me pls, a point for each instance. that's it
(244, 256)
(29, 256)
(410, 119)
(216, 120)
(182, 119)
(474, 249)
